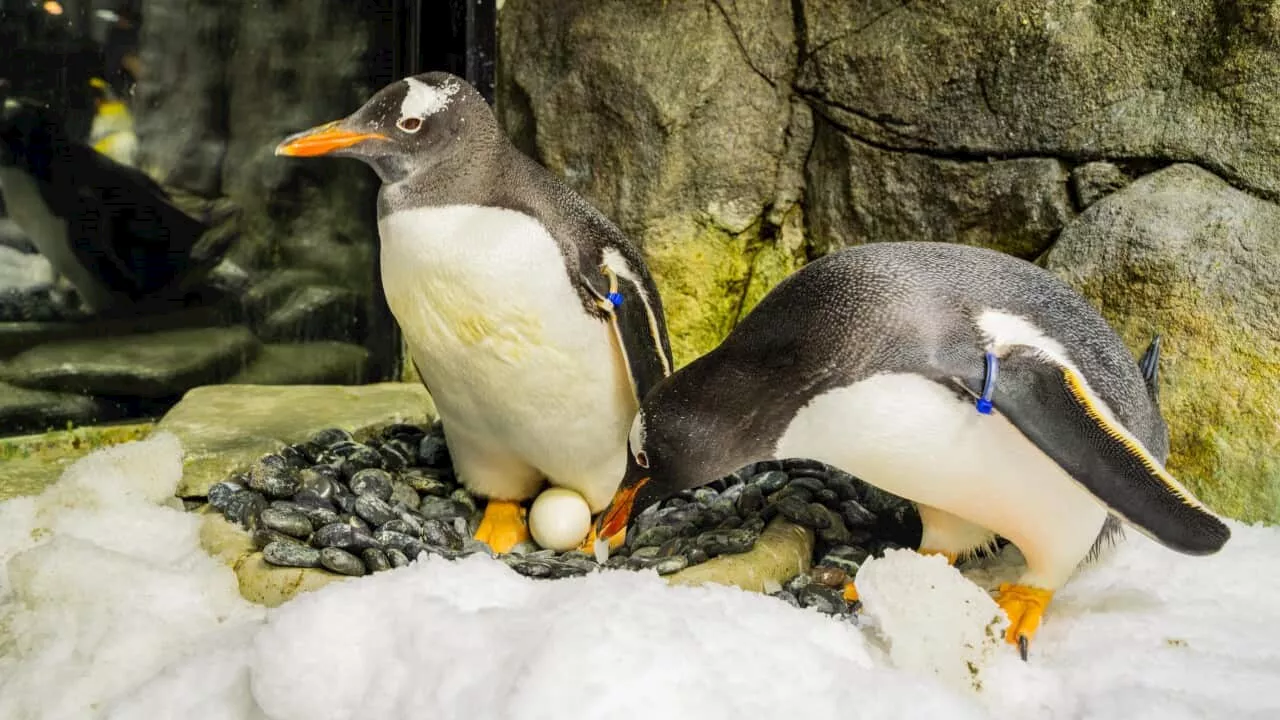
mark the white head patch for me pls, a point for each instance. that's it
(422, 99)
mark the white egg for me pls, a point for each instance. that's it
(559, 519)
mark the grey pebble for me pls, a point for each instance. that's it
(427, 482)
(725, 542)
(439, 534)
(373, 481)
(771, 481)
(441, 508)
(245, 508)
(289, 553)
(263, 536)
(220, 494)
(355, 521)
(463, 498)
(403, 494)
(397, 558)
(288, 521)
(375, 559)
(846, 557)
(823, 599)
(855, 515)
(342, 562)
(373, 509)
(667, 566)
(271, 475)
(342, 535)
(319, 516)
(432, 451)
(330, 436)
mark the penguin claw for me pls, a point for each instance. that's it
(1025, 606)
(503, 526)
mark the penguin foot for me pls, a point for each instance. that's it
(503, 526)
(588, 546)
(1024, 605)
(850, 592)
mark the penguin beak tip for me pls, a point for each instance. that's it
(323, 140)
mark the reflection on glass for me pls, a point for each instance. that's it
(149, 240)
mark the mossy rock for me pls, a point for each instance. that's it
(1181, 253)
(710, 278)
(31, 463)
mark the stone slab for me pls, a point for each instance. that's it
(223, 428)
(151, 365)
(783, 551)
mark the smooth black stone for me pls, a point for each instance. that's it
(362, 458)
(770, 481)
(812, 484)
(273, 476)
(319, 516)
(245, 508)
(295, 458)
(846, 557)
(403, 431)
(402, 494)
(751, 500)
(698, 556)
(407, 544)
(463, 498)
(855, 515)
(442, 508)
(653, 536)
(393, 458)
(674, 564)
(787, 597)
(797, 583)
(289, 553)
(372, 481)
(317, 481)
(439, 534)
(428, 482)
(341, 562)
(288, 521)
(331, 436)
(725, 542)
(398, 559)
(433, 452)
(375, 559)
(341, 535)
(263, 536)
(823, 599)
(220, 494)
(355, 521)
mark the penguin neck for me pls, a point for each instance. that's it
(468, 172)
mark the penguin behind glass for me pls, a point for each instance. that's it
(108, 228)
(530, 317)
(975, 384)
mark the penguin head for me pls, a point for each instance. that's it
(678, 441)
(405, 128)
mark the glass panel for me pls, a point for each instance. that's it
(150, 240)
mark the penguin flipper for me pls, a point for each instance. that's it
(1053, 406)
(639, 326)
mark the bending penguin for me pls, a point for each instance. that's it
(973, 383)
(531, 319)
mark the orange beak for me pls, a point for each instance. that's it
(323, 140)
(614, 518)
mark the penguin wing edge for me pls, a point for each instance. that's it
(640, 329)
(1053, 406)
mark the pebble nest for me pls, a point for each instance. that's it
(357, 507)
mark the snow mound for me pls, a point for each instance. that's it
(933, 619)
(101, 587)
(110, 609)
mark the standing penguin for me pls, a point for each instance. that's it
(973, 383)
(531, 319)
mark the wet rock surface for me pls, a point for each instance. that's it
(354, 504)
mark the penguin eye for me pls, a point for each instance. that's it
(409, 124)
(642, 460)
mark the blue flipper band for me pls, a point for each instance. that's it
(615, 298)
(988, 385)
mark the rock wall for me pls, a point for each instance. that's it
(736, 139)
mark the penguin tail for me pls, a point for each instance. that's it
(1053, 406)
(1150, 366)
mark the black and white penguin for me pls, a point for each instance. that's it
(108, 228)
(973, 383)
(530, 317)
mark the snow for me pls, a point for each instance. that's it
(110, 609)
